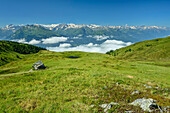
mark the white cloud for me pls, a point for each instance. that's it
(99, 48)
(21, 40)
(75, 38)
(33, 41)
(65, 45)
(98, 37)
(80, 35)
(91, 45)
(53, 40)
(50, 40)
(90, 36)
(114, 42)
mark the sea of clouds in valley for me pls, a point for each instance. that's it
(64, 44)
(99, 48)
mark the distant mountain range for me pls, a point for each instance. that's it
(30, 32)
(76, 35)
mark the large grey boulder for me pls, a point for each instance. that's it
(146, 104)
(38, 65)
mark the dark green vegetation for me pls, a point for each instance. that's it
(30, 32)
(72, 85)
(157, 49)
(10, 51)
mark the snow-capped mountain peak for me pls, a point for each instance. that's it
(93, 26)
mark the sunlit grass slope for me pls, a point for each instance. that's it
(10, 51)
(157, 49)
(73, 84)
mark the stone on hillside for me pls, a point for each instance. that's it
(157, 87)
(166, 109)
(103, 105)
(147, 86)
(105, 87)
(117, 83)
(129, 112)
(108, 106)
(135, 92)
(91, 106)
(145, 104)
(113, 103)
(30, 70)
(38, 65)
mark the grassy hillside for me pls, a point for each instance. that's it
(157, 49)
(75, 80)
(10, 51)
(30, 32)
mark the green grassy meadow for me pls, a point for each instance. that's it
(72, 85)
(153, 50)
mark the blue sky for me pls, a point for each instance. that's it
(100, 12)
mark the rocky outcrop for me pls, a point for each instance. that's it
(146, 104)
(38, 65)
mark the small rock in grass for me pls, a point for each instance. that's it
(113, 103)
(135, 92)
(165, 108)
(105, 87)
(160, 109)
(128, 111)
(117, 83)
(157, 87)
(166, 89)
(91, 106)
(147, 86)
(30, 70)
(103, 105)
(108, 106)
